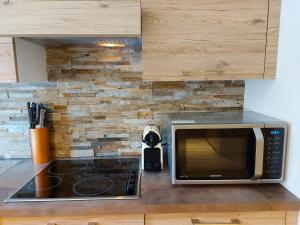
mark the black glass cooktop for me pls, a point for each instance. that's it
(113, 178)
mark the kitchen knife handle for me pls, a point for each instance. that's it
(33, 114)
(30, 119)
(29, 115)
(38, 109)
(199, 222)
(42, 118)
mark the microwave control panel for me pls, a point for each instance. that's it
(273, 152)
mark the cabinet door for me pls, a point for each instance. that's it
(76, 220)
(292, 218)
(233, 218)
(70, 18)
(8, 71)
(204, 40)
(272, 39)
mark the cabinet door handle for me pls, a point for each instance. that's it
(199, 222)
(89, 223)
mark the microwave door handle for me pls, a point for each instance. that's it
(259, 153)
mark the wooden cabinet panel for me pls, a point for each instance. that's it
(272, 39)
(204, 40)
(243, 218)
(88, 220)
(292, 217)
(70, 18)
(8, 71)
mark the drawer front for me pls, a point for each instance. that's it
(97, 220)
(244, 218)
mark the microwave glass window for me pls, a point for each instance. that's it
(215, 154)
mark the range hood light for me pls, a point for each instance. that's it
(110, 45)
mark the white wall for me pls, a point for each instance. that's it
(31, 60)
(281, 97)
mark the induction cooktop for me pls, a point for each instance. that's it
(83, 179)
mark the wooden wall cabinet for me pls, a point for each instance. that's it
(182, 40)
(91, 18)
(210, 39)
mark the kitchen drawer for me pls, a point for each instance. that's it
(244, 218)
(96, 220)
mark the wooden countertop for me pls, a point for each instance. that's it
(157, 196)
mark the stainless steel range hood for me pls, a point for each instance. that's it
(110, 42)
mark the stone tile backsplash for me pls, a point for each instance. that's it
(99, 103)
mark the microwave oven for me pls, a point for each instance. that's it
(226, 148)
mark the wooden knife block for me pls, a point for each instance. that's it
(40, 145)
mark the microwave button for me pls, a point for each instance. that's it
(272, 171)
(277, 166)
(269, 171)
(272, 165)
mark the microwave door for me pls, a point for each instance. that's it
(218, 154)
(259, 153)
